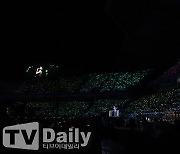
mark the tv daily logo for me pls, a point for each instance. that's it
(26, 136)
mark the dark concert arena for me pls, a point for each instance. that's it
(98, 77)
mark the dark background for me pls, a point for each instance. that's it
(94, 36)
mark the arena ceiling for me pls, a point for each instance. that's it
(82, 36)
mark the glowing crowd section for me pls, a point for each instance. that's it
(88, 109)
(156, 102)
(113, 81)
(87, 83)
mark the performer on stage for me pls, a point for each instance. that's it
(115, 111)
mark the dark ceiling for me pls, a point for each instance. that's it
(91, 36)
